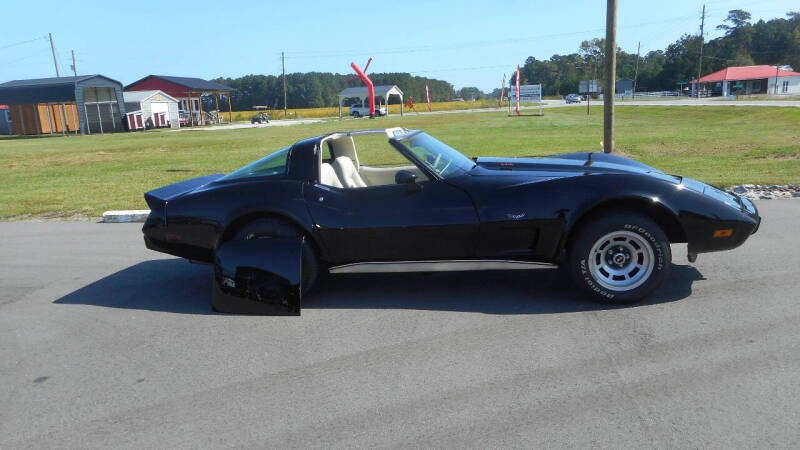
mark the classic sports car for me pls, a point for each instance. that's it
(400, 200)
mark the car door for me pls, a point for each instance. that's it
(393, 222)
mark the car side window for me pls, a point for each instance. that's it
(374, 150)
(366, 161)
(327, 152)
(268, 166)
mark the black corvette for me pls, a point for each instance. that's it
(399, 200)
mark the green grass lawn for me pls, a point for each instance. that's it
(333, 111)
(82, 176)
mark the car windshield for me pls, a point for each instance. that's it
(436, 155)
(268, 166)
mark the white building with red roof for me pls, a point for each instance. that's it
(745, 80)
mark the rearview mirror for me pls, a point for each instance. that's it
(409, 179)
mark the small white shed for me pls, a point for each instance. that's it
(157, 108)
(362, 93)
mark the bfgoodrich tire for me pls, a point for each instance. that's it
(275, 227)
(620, 257)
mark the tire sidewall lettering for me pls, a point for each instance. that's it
(589, 280)
(657, 250)
(653, 242)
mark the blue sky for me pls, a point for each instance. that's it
(468, 43)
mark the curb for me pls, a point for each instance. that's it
(137, 215)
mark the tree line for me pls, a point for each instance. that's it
(319, 89)
(776, 41)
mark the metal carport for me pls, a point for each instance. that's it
(89, 104)
(380, 91)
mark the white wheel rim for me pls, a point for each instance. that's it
(621, 260)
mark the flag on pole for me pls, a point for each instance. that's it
(517, 89)
(502, 92)
(428, 95)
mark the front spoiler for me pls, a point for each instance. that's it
(258, 276)
(702, 232)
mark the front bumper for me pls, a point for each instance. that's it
(707, 234)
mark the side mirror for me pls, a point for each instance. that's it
(409, 179)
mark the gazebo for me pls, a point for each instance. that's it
(362, 93)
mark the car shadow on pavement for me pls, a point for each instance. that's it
(170, 285)
(174, 285)
(537, 291)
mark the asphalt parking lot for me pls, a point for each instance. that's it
(106, 344)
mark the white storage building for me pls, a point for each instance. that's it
(157, 109)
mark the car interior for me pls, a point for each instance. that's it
(340, 166)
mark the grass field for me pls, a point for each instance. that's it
(56, 177)
(333, 111)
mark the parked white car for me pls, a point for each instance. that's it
(361, 111)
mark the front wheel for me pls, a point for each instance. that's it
(620, 258)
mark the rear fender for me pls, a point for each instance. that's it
(258, 276)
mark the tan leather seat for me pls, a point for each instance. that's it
(328, 176)
(347, 172)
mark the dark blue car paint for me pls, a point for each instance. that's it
(247, 283)
(515, 208)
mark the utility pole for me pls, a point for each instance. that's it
(700, 61)
(777, 71)
(611, 75)
(74, 67)
(283, 68)
(53, 49)
(636, 70)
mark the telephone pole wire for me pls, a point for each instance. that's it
(53, 49)
(700, 60)
(283, 69)
(611, 75)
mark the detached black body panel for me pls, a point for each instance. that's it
(258, 276)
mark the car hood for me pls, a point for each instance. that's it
(576, 163)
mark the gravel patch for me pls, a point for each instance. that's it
(767, 191)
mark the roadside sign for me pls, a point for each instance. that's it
(587, 87)
(529, 93)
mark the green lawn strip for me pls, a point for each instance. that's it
(86, 175)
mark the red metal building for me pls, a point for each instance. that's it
(188, 91)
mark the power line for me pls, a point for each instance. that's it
(462, 69)
(467, 45)
(14, 61)
(23, 42)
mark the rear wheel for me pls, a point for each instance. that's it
(275, 227)
(620, 257)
